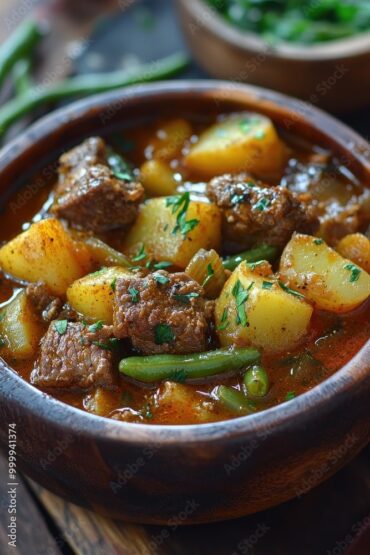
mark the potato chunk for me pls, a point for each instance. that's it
(253, 310)
(324, 277)
(20, 328)
(240, 143)
(155, 229)
(356, 247)
(92, 295)
(45, 252)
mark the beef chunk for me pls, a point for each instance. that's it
(46, 304)
(254, 213)
(69, 359)
(92, 198)
(161, 313)
(90, 153)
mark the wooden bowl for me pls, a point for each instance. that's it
(334, 75)
(185, 474)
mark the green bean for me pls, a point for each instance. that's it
(234, 400)
(89, 84)
(263, 252)
(256, 381)
(18, 45)
(22, 76)
(183, 367)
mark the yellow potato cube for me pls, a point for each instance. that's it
(45, 252)
(155, 229)
(257, 311)
(92, 296)
(325, 278)
(240, 143)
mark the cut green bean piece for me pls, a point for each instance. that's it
(89, 84)
(18, 45)
(263, 252)
(234, 400)
(256, 381)
(156, 368)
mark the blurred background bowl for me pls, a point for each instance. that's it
(334, 75)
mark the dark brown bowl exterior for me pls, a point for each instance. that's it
(333, 75)
(185, 474)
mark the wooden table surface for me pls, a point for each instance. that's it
(333, 519)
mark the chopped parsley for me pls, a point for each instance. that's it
(161, 279)
(135, 295)
(210, 274)
(2, 316)
(291, 291)
(262, 204)
(120, 168)
(253, 265)
(141, 255)
(185, 298)
(224, 321)
(61, 326)
(355, 272)
(179, 205)
(146, 412)
(99, 272)
(113, 284)
(178, 376)
(318, 241)
(238, 199)
(241, 296)
(163, 333)
(96, 327)
(162, 265)
(290, 395)
(267, 285)
(108, 346)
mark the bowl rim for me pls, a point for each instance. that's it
(60, 414)
(335, 50)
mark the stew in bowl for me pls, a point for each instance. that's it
(186, 271)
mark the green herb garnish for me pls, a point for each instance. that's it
(108, 346)
(113, 284)
(262, 204)
(163, 280)
(224, 321)
(267, 285)
(163, 333)
(185, 298)
(96, 327)
(355, 272)
(61, 326)
(141, 254)
(318, 241)
(241, 296)
(290, 395)
(120, 168)
(162, 265)
(289, 290)
(179, 205)
(135, 295)
(210, 274)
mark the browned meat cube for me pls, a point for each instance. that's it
(161, 313)
(254, 213)
(90, 153)
(68, 358)
(91, 197)
(46, 304)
